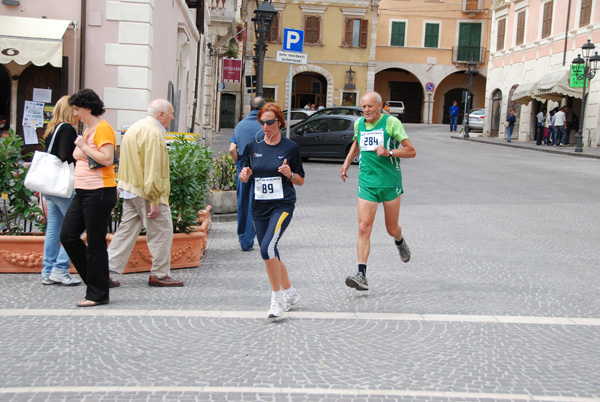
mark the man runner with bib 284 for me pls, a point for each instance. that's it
(381, 141)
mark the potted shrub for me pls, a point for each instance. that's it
(189, 165)
(22, 221)
(222, 197)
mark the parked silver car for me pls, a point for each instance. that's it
(298, 115)
(476, 119)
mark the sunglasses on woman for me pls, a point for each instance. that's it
(269, 122)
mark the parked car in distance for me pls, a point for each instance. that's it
(397, 109)
(298, 115)
(476, 119)
(328, 136)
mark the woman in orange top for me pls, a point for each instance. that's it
(95, 197)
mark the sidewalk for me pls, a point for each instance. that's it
(530, 145)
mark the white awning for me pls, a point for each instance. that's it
(555, 86)
(524, 93)
(36, 40)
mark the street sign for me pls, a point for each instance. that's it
(430, 87)
(293, 40)
(576, 72)
(291, 57)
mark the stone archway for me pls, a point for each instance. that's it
(398, 84)
(312, 69)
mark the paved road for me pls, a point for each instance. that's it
(498, 303)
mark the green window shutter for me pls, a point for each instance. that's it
(469, 42)
(398, 29)
(431, 35)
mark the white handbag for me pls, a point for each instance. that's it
(49, 175)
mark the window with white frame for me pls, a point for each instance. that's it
(547, 19)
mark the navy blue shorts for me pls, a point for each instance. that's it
(269, 231)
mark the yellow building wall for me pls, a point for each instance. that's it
(330, 58)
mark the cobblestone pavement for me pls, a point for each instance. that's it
(498, 303)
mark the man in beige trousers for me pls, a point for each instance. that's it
(144, 186)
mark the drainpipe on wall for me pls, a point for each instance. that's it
(82, 44)
(566, 33)
(195, 104)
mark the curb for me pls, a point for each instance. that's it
(513, 144)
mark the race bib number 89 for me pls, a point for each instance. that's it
(371, 139)
(268, 188)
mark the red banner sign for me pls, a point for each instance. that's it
(232, 70)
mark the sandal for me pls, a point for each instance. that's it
(90, 303)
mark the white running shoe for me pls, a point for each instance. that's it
(64, 279)
(276, 310)
(290, 300)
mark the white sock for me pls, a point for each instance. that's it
(277, 295)
(291, 291)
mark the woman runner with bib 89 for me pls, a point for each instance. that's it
(274, 164)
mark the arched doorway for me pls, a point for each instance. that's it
(309, 89)
(516, 107)
(452, 95)
(495, 117)
(397, 84)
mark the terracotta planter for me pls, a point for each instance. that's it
(186, 251)
(223, 202)
(23, 254)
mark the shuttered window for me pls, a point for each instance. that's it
(356, 34)
(312, 29)
(520, 28)
(273, 35)
(586, 11)
(547, 21)
(398, 33)
(431, 35)
(501, 32)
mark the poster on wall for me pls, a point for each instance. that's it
(33, 114)
(48, 110)
(42, 95)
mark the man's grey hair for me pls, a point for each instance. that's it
(377, 96)
(157, 106)
(257, 103)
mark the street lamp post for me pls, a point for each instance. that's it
(472, 72)
(263, 20)
(590, 66)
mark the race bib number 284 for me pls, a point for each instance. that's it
(370, 140)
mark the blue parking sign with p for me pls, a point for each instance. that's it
(293, 40)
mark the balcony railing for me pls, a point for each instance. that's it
(472, 6)
(464, 54)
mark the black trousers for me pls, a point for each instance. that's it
(90, 212)
(539, 135)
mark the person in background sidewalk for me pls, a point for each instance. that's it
(541, 117)
(550, 124)
(95, 197)
(511, 119)
(454, 109)
(560, 127)
(245, 131)
(144, 187)
(61, 134)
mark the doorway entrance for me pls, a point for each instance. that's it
(227, 111)
(309, 89)
(496, 104)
